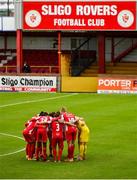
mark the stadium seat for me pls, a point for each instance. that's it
(54, 70)
(11, 70)
(38, 58)
(2, 69)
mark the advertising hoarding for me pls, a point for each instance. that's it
(117, 85)
(79, 15)
(28, 83)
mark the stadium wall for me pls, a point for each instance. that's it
(79, 84)
(46, 43)
(65, 64)
(75, 84)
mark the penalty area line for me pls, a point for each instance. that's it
(38, 100)
(15, 152)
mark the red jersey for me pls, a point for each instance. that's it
(29, 131)
(41, 125)
(69, 117)
(30, 125)
(42, 122)
(57, 129)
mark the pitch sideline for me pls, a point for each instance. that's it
(15, 152)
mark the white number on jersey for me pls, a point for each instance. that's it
(57, 127)
(29, 124)
(72, 120)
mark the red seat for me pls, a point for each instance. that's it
(54, 70)
(11, 70)
(35, 70)
(2, 69)
(38, 58)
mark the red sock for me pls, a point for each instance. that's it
(32, 149)
(44, 153)
(34, 145)
(38, 149)
(50, 148)
(69, 151)
(54, 154)
(59, 154)
(72, 150)
(27, 149)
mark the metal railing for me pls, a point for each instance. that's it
(120, 51)
(34, 69)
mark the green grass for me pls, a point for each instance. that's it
(112, 149)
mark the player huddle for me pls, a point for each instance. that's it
(55, 128)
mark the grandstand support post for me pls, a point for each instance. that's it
(5, 42)
(19, 27)
(19, 50)
(101, 53)
(112, 49)
(59, 51)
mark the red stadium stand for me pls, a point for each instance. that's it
(40, 61)
(11, 69)
(2, 69)
(40, 57)
(55, 70)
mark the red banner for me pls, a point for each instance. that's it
(79, 15)
(117, 85)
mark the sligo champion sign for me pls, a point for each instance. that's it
(79, 15)
(28, 83)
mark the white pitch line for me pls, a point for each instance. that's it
(10, 135)
(15, 152)
(38, 100)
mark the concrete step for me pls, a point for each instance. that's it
(119, 68)
(4, 61)
(89, 75)
(91, 71)
(124, 64)
(9, 58)
(122, 68)
(121, 72)
(8, 53)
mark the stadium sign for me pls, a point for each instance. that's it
(117, 85)
(28, 83)
(79, 15)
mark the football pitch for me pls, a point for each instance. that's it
(112, 149)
